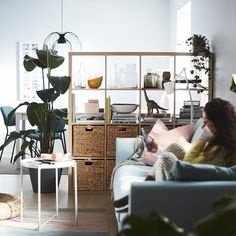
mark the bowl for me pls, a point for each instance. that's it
(95, 82)
(123, 108)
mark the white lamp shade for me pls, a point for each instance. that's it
(169, 87)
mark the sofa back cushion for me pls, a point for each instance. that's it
(197, 129)
(183, 171)
(166, 137)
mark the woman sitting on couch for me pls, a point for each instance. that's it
(216, 144)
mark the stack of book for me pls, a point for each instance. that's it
(152, 118)
(90, 117)
(124, 118)
(185, 111)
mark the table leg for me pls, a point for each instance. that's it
(56, 170)
(19, 118)
(21, 193)
(39, 197)
(76, 193)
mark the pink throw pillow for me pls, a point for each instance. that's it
(165, 138)
(158, 128)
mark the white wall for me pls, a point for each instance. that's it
(102, 25)
(216, 19)
(112, 25)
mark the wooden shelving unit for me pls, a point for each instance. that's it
(92, 143)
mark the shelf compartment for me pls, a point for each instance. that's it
(120, 131)
(90, 175)
(88, 140)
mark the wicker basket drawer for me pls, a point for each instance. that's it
(88, 141)
(120, 131)
(110, 167)
(90, 175)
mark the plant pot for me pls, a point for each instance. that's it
(199, 46)
(48, 180)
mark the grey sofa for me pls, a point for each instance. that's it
(182, 202)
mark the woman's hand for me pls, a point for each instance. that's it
(153, 144)
(206, 134)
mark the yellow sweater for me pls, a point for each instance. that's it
(215, 155)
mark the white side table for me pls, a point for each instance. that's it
(31, 163)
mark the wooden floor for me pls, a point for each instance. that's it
(11, 184)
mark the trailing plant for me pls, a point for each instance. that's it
(41, 114)
(200, 47)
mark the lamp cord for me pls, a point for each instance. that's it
(61, 16)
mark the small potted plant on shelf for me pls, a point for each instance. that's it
(200, 47)
(41, 114)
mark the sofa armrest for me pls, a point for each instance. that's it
(125, 147)
(182, 202)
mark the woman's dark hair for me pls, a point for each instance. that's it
(222, 114)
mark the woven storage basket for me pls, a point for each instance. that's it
(110, 167)
(90, 175)
(9, 206)
(88, 141)
(120, 131)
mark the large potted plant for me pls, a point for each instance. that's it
(41, 114)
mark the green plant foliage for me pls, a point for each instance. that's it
(200, 47)
(222, 219)
(153, 224)
(233, 84)
(41, 114)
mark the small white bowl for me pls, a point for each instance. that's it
(123, 108)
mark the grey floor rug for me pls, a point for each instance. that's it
(53, 234)
(90, 222)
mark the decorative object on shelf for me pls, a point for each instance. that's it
(185, 111)
(80, 77)
(199, 43)
(233, 83)
(151, 80)
(123, 108)
(68, 40)
(108, 109)
(92, 106)
(95, 82)
(200, 47)
(151, 104)
(165, 78)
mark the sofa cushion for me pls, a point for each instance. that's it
(165, 138)
(183, 171)
(124, 176)
(197, 129)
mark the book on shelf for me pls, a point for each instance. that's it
(108, 110)
(84, 117)
(129, 117)
(90, 121)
